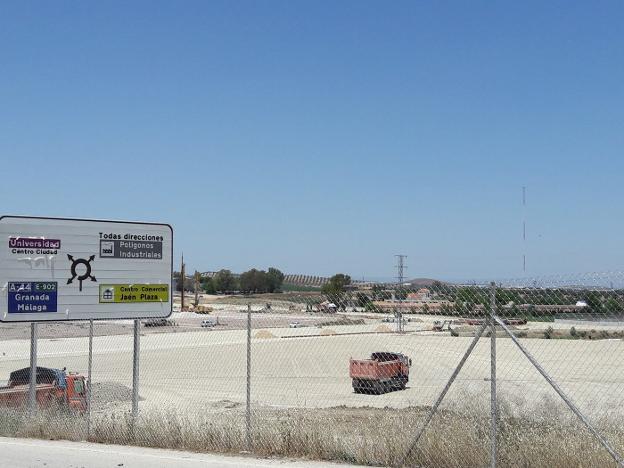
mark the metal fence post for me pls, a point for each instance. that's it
(135, 369)
(445, 390)
(616, 456)
(32, 387)
(248, 402)
(89, 385)
(493, 399)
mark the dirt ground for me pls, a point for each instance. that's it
(301, 360)
(302, 367)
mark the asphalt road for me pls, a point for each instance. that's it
(27, 453)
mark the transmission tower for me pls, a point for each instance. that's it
(401, 267)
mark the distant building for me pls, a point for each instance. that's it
(422, 295)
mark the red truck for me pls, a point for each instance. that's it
(55, 389)
(381, 373)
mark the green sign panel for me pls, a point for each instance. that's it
(133, 293)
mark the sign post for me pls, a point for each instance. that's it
(89, 379)
(58, 269)
(32, 386)
(135, 368)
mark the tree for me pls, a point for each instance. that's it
(177, 277)
(224, 281)
(336, 287)
(400, 293)
(208, 285)
(594, 301)
(337, 284)
(254, 281)
(379, 293)
(275, 279)
(177, 280)
(362, 299)
(612, 306)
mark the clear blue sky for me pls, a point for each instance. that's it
(320, 137)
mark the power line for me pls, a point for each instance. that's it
(524, 229)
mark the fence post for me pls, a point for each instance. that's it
(248, 401)
(445, 390)
(493, 399)
(616, 456)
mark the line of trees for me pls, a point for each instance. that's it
(253, 281)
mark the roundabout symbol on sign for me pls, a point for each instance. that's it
(86, 275)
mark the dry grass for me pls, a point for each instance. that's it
(457, 437)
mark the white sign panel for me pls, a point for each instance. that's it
(73, 269)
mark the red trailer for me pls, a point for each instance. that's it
(54, 389)
(381, 373)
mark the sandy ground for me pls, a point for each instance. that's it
(204, 369)
(230, 317)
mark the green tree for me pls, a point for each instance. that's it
(208, 286)
(400, 293)
(595, 301)
(275, 279)
(612, 305)
(254, 281)
(379, 293)
(224, 281)
(177, 279)
(362, 299)
(336, 287)
(337, 284)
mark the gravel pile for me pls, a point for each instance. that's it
(108, 395)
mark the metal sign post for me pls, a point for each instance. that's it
(32, 387)
(89, 381)
(59, 269)
(135, 369)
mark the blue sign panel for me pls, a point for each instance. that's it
(32, 297)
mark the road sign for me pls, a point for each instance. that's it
(77, 269)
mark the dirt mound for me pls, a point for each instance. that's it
(383, 329)
(327, 332)
(264, 334)
(107, 394)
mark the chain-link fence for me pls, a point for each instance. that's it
(513, 373)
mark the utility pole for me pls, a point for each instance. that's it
(182, 277)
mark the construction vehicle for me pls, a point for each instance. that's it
(440, 325)
(55, 388)
(203, 309)
(382, 373)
